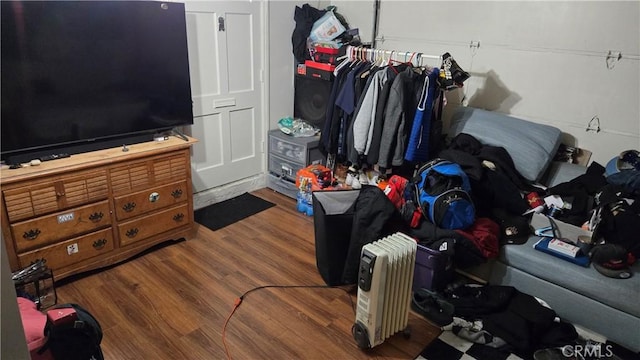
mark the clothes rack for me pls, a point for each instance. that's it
(373, 54)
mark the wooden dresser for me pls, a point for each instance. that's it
(95, 209)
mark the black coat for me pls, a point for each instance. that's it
(374, 217)
(304, 17)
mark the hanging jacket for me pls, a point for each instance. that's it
(364, 120)
(346, 102)
(401, 108)
(329, 136)
(381, 107)
(418, 146)
(362, 83)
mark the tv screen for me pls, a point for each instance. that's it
(80, 72)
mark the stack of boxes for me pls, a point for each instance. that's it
(323, 63)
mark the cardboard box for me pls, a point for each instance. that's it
(572, 154)
(583, 157)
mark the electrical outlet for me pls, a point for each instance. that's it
(474, 44)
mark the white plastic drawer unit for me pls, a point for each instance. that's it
(287, 155)
(303, 149)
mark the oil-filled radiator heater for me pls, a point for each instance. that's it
(385, 281)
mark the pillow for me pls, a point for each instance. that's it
(33, 322)
(532, 146)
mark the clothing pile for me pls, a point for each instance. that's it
(387, 113)
(499, 317)
(605, 200)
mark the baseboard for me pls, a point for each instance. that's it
(228, 191)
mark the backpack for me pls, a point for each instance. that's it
(73, 333)
(616, 228)
(442, 191)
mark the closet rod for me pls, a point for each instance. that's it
(355, 49)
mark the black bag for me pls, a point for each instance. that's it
(333, 213)
(617, 226)
(75, 339)
(346, 220)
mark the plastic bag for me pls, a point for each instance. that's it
(328, 27)
(297, 127)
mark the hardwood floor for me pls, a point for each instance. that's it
(172, 302)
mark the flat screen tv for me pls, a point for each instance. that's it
(83, 75)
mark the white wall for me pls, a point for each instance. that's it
(541, 61)
(359, 14)
(281, 60)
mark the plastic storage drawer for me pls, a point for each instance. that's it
(282, 185)
(284, 167)
(288, 149)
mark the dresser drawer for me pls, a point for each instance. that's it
(48, 229)
(71, 251)
(153, 224)
(23, 202)
(138, 175)
(141, 202)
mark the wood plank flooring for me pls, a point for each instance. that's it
(172, 302)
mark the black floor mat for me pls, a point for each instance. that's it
(227, 212)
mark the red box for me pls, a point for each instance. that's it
(62, 316)
(325, 55)
(318, 70)
(327, 50)
(433, 270)
(319, 65)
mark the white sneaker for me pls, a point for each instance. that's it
(356, 183)
(364, 180)
(349, 179)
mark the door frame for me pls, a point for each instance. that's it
(259, 181)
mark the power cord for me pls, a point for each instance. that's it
(238, 301)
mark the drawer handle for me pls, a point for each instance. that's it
(31, 234)
(176, 193)
(99, 244)
(178, 217)
(96, 217)
(154, 196)
(131, 233)
(60, 194)
(128, 207)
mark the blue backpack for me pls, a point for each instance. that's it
(442, 191)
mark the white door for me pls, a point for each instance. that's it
(226, 82)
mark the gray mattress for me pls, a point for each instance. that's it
(616, 293)
(616, 325)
